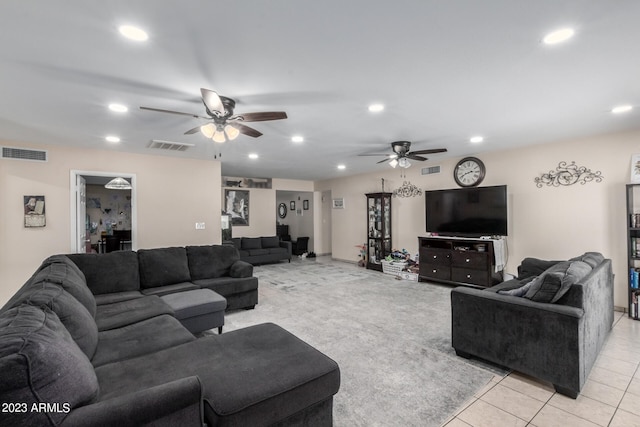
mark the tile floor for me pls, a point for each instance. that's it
(610, 397)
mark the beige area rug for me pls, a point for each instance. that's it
(391, 339)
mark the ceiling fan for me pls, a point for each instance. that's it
(401, 154)
(224, 124)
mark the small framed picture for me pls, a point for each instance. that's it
(338, 203)
(635, 168)
(292, 206)
(305, 205)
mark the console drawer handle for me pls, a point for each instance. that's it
(467, 260)
(468, 276)
(435, 271)
(435, 256)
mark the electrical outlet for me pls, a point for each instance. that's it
(199, 225)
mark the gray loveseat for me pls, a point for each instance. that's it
(261, 250)
(74, 358)
(550, 322)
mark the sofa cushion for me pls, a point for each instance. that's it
(227, 286)
(591, 258)
(163, 266)
(140, 338)
(251, 243)
(258, 252)
(40, 363)
(110, 272)
(170, 289)
(252, 376)
(117, 315)
(236, 242)
(59, 269)
(278, 251)
(531, 267)
(117, 297)
(206, 262)
(521, 289)
(73, 315)
(551, 285)
(270, 242)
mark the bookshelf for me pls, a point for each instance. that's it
(633, 248)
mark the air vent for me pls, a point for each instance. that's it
(24, 154)
(430, 170)
(168, 145)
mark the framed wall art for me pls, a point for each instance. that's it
(305, 205)
(338, 203)
(34, 211)
(237, 206)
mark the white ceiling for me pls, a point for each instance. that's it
(445, 70)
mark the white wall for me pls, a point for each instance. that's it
(171, 199)
(548, 222)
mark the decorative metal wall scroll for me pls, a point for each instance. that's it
(568, 174)
(407, 189)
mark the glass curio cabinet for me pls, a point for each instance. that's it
(378, 229)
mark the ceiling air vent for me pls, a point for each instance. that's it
(24, 154)
(430, 170)
(168, 145)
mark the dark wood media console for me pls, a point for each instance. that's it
(457, 260)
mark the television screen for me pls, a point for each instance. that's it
(470, 212)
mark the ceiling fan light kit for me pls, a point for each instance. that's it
(401, 154)
(224, 125)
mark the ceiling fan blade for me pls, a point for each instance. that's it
(378, 154)
(246, 130)
(261, 117)
(432, 151)
(173, 112)
(414, 157)
(384, 160)
(211, 100)
(192, 131)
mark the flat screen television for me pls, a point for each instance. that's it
(468, 212)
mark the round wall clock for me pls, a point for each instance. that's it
(469, 172)
(282, 210)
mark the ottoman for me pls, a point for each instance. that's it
(198, 309)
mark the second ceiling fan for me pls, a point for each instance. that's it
(224, 124)
(401, 154)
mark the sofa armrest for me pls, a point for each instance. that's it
(176, 403)
(287, 245)
(241, 269)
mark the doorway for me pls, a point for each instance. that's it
(97, 212)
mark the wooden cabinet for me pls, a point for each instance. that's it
(378, 229)
(457, 260)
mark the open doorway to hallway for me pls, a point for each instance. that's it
(102, 220)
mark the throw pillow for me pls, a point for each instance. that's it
(531, 267)
(552, 289)
(545, 288)
(521, 290)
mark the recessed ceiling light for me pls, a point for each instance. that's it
(297, 138)
(558, 36)
(621, 109)
(112, 138)
(253, 156)
(476, 139)
(376, 108)
(118, 108)
(341, 167)
(133, 33)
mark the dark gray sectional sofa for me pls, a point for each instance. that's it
(87, 340)
(550, 322)
(261, 250)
